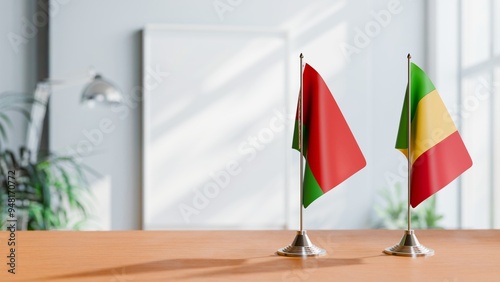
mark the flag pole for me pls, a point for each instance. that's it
(301, 141)
(409, 246)
(301, 245)
(409, 141)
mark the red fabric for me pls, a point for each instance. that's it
(437, 167)
(333, 154)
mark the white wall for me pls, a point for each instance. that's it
(18, 57)
(368, 86)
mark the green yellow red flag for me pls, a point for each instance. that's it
(438, 154)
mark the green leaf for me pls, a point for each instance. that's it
(55, 185)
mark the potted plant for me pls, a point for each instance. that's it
(47, 193)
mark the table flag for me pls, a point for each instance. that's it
(330, 149)
(438, 154)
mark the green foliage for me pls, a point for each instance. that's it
(393, 213)
(50, 191)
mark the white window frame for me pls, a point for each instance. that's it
(444, 34)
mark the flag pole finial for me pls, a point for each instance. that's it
(409, 56)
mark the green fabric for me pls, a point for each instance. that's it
(421, 85)
(295, 142)
(312, 191)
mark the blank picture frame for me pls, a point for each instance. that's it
(216, 127)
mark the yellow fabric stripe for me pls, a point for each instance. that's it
(431, 124)
(404, 151)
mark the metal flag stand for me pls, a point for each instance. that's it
(409, 245)
(301, 245)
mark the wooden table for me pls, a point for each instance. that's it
(117, 256)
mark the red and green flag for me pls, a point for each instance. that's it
(331, 152)
(438, 154)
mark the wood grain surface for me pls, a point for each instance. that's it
(353, 255)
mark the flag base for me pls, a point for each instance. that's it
(301, 247)
(409, 247)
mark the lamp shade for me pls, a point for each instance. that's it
(101, 90)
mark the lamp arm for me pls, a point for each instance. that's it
(57, 84)
(38, 110)
(98, 87)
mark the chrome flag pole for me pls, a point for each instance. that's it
(301, 245)
(409, 245)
